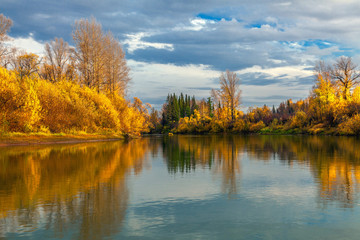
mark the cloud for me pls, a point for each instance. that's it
(27, 43)
(196, 24)
(153, 81)
(184, 45)
(135, 42)
(281, 73)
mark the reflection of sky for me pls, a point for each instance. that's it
(260, 181)
(273, 201)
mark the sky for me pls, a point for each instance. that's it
(184, 46)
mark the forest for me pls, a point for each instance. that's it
(82, 89)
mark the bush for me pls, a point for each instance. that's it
(19, 104)
(351, 126)
(299, 120)
(256, 127)
(240, 126)
(36, 105)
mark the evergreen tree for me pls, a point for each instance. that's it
(175, 109)
(210, 107)
(182, 105)
(193, 105)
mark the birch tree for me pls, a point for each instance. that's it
(99, 58)
(5, 24)
(57, 58)
(229, 93)
(346, 75)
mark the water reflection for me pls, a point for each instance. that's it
(221, 153)
(58, 187)
(333, 161)
(81, 191)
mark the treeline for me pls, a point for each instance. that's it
(332, 107)
(69, 89)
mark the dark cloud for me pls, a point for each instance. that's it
(192, 54)
(257, 79)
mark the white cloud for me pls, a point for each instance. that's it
(135, 42)
(28, 44)
(285, 72)
(196, 24)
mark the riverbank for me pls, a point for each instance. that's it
(285, 129)
(18, 139)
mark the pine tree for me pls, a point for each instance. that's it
(210, 107)
(193, 105)
(182, 105)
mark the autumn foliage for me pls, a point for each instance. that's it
(69, 90)
(333, 107)
(38, 105)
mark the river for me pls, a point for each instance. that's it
(183, 187)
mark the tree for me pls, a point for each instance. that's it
(210, 106)
(5, 24)
(346, 75)
(193, 105)
(116, 72)
(25, 64)
(90, 52)
(57, 57)
(155, 120)
(99, 57)
(229, 93)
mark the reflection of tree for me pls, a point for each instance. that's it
(77, 186)
(334, 161)
(228, 164)
(221, 153)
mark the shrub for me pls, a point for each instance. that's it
(36, 105)
(351, 126)
(256, 127)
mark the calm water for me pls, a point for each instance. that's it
(183, 187)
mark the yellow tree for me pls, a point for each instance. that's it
(229, 93)
(346, 74)
(323, 95)
(25, 64)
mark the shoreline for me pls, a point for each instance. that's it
(21, 139)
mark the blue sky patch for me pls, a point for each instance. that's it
(259, 24)
(213, 17)
(317, 42)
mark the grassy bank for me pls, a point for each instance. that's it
(10, 139)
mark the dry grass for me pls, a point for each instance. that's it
(8, 139)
